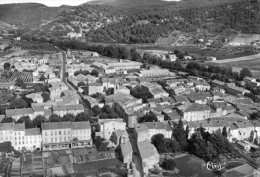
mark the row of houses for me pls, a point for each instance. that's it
(46, 110)
(50, 136)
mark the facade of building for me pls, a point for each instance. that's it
(20, 138)
(108, 126)
(61, 135)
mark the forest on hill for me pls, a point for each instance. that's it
(134, 21)
(28, 15)
(242, 16)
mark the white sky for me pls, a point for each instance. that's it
(47, 2)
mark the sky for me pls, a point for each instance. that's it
(47, 2)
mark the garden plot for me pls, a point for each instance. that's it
(25, 76)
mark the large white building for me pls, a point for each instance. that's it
(57, 132)
(20, 138)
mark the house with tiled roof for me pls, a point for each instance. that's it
(126, 152)
(141, 132)
(194, 111)
(36, 97)
(108, 126)
(56, 90)
(148, 154)
(201, 86)
(119, 136)
(17, 113)
(157, 128)
(62, 110)
(93, 88)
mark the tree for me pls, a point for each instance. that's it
(37, 88)
(19, 82)
(42, 78)
(45, 96)
(54, 118)
(82, 117)
(94, 73)
(18, 103)
(101, 144)
(256, 141)
(7, 120)
(187, 131)
(26, 120)
(81, 84)
(245, 72)
(169, 164)
(38, 120)
(200, 147)
(158, 141)
(224, 132)
(150, 117)
(179, 135)
(69, 117)
(96, 110)
(7, 65)
(220, 143)
(103, 116)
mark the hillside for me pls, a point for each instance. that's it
(28, 15)
(81, 18)
(127, 3)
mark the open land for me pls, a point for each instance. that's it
(191, 165)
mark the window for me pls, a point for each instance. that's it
(55, 132)
(51, 133)
(52, 140)
(59, 132)
(68, 132)
(45, 133)
(60, 139)
(64, 138)
(55, 139)
(45, 140)
(64, 132)
(15, 143)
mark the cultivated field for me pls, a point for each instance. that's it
(244, 39)
(25, 76)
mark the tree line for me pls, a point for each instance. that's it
(205, 145)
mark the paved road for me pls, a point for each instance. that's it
(136, 160)
(250, 57)
(65, 80)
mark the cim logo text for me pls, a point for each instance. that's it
(214, 166)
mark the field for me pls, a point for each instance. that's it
(88, 167)
(25, 76)
(190, 165)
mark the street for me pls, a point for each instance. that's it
(138, 172)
